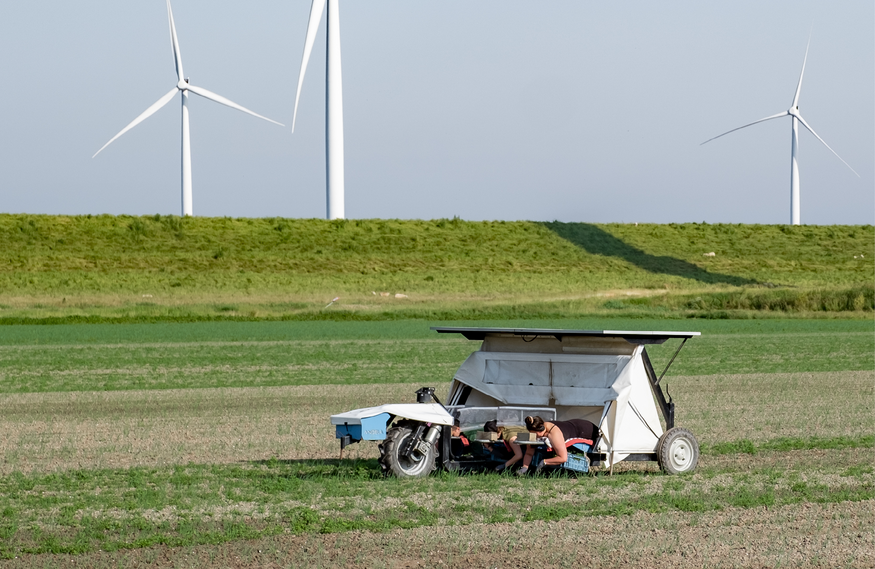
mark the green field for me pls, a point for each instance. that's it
(165, 387)
(129, 436)
(122, 268)
(235, 354)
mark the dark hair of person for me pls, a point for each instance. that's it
(534, 424)
(491, 427)
(456, 423)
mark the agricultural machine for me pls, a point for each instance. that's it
(602, 376)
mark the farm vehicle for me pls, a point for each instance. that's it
(603, 376)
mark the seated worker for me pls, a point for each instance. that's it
(459, 444)
(509, 452)
(496, 452)
(559, 435)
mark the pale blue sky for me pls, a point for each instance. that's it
(487, 109)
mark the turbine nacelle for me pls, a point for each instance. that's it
(183, 85)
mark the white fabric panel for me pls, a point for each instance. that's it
(628, 433)
(471, 373)
(617, 413)
(522, 382)
(588, 374)
(510, 372)
(535, 378)
(639, 434)
(634, 435)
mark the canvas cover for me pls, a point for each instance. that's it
(610, 390)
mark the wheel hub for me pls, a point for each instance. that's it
(680, 453)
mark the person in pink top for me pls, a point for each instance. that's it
(560, 435)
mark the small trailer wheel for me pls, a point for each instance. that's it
(677, 451)
(416, 464)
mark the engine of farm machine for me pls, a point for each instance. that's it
(604, 377)
(410, 445)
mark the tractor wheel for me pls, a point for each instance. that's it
(677, 451)
(416, 464)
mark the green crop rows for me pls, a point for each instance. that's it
(232, 354)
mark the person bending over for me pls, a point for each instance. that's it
(559, 434)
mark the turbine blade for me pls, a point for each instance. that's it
(143, 116)
(783, 114)
(801, 73)
(223, 101)
(316, 10)
(811, 130)
(174, 45)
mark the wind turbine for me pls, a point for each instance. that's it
(794, 166)
(333, 100)
(182, 86)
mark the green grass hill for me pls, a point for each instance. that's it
(67, 268)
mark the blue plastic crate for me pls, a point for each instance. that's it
(577, 461)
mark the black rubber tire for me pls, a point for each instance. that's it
(677, 451)
(396, 465)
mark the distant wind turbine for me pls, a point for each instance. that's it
(184, 87)
(794, 166)
(333, 100)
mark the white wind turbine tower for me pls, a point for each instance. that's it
(794, 166)
(333, 100)
(182, 86)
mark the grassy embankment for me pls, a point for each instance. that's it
(783, 410)
(122, 268)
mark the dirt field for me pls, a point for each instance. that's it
(806, 535)
(50, 432)
(58, 431)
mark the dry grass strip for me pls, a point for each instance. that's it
(757, 407)
(42, 432)
(60, 431)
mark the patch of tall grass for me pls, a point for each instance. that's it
(854, 299)
(856, 302)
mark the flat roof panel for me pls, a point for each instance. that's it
(481, 333)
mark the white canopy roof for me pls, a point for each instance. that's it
(632, 336)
